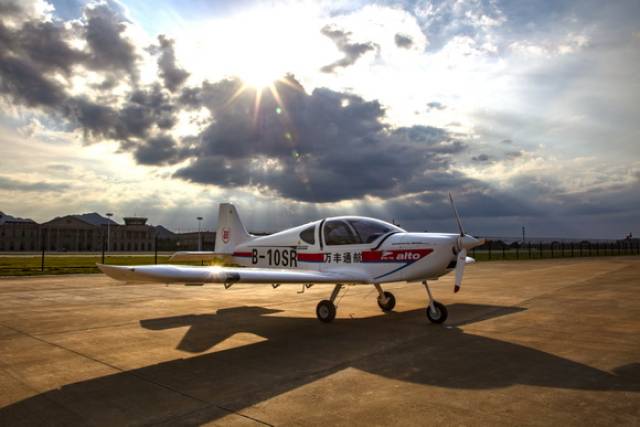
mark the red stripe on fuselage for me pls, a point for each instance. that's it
(242, 254)
(402, 255)
(311, 257)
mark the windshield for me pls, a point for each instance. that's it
(369, 230)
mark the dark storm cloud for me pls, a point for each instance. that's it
(8, 7)
(403, 41)
(352, 51)
(315, 149)
(109, 49)
(172, 75)
(45, 44)
(144, 110)
(23, 82)
(162, 149)
(28, 56)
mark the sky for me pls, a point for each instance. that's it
(527, 111)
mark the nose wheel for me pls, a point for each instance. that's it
(386, 300)
(436, 311)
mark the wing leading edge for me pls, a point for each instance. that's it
(186, 274)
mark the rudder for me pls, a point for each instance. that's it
(230, 232)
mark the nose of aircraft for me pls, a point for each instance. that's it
(470, 242)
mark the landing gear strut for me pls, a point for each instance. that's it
(436, 311)
(386, 300)
(326, 309)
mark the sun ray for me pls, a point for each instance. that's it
(256, 107)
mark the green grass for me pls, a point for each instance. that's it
(31, 265)
(59, 264)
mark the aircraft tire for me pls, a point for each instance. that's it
(441, 314)
(326, 311)
(391, 302)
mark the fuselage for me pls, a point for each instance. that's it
(385, 252)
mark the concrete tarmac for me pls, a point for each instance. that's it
(550, 342)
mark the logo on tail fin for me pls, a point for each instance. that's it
(226, 235)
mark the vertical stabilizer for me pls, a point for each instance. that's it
(231, 231)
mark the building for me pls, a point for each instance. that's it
(189, 241)
(76, 233)
(135, 235)
(88, 232)
(166, 240)
(19, 234)
(91, 232)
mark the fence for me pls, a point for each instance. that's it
(495, 248)
(505, 249)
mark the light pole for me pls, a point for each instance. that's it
(199, 233)
(109, 215)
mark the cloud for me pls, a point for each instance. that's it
(315, 147)
(513, 154)
(162, 149)
(11, 184)
(145, 110)
(109, 48)
(403, 41)
(9, 8)
(172, 75)
(434, 105)
(29, 55)
(352, 51)
(481, 158)
(23, 82)
(33, 52)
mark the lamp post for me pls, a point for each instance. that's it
(199, 233)
(109, 215)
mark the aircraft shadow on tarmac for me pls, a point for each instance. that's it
(298, 351)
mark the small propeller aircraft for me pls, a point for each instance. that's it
(345, 250)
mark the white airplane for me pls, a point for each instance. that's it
(345, 250)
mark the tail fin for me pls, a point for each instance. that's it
(230, 232)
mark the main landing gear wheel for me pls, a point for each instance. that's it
(440, 314)
(326, 311)
(390, 302)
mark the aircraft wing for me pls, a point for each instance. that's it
(196, 256)
(200, 275)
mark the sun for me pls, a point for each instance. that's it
(259, 77)
(259, 45)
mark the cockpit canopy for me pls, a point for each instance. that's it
(349, 231)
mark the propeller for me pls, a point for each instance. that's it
(463, 243)
(460, 263)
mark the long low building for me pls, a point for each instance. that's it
(92, 232)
